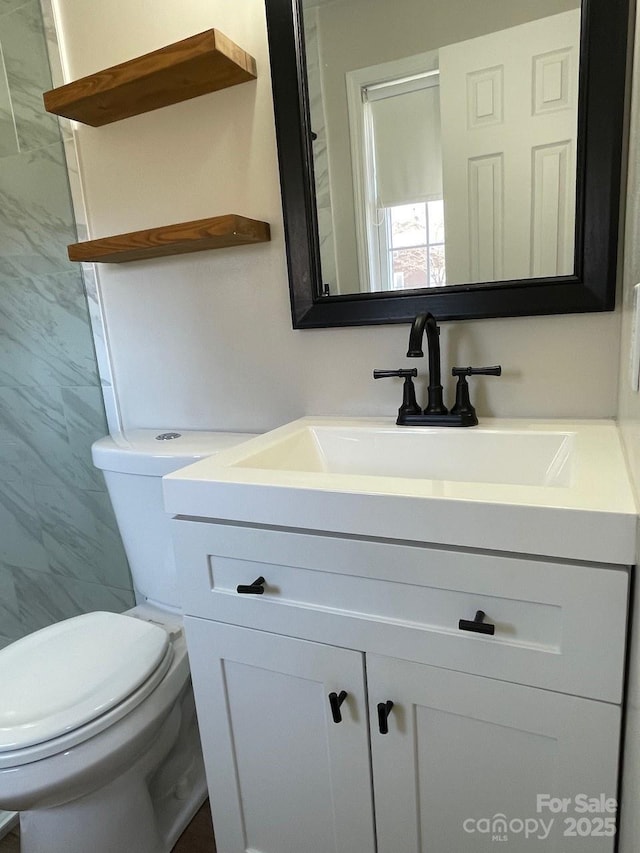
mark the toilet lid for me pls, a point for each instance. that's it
(68, 674)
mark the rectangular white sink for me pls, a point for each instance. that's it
(556, 489)
(514, 457)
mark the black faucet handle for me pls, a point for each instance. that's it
(463, 407)
(477, 371)
(402, 373)
(409, 403)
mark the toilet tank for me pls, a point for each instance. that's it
(133, 464)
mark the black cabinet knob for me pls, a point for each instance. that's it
(255, 588)
(478, 626)
(335, 700)
(384, 709)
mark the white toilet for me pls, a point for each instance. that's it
(99, 747)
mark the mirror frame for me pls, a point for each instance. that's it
(601, 124)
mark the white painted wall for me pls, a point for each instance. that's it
(206, 339)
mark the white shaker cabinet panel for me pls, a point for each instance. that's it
(461, 749)
(283, 776)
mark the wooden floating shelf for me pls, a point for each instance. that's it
(220, 232)
(186, 69)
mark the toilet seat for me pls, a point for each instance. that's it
(75, 679)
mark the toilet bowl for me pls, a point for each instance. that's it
(99, 745)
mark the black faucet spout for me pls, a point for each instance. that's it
(426, 323)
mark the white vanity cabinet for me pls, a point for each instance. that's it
(479, 726)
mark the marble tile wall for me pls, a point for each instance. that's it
(60, 551)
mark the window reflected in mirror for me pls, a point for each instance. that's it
(416, 245)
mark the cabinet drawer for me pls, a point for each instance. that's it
(556, 625)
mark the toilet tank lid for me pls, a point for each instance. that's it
(155, 452)
(70, 673)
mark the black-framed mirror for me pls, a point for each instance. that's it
(587, 284)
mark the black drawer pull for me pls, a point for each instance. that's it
(335, 700)
(256, 588)
(384, 709)
(478, 625)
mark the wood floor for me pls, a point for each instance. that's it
(197, 837)
(10, 843)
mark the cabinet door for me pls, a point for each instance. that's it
(462, 752)
(283, 776)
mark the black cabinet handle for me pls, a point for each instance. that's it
(479, 626)
(335, 700)
(384, 709)
(256, 588)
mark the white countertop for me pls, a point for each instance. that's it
(590, 517)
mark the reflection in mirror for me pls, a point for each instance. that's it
(445, 149)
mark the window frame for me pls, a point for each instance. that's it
(373, 259)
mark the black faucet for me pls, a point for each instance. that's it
(436, 413)
(427, 323)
